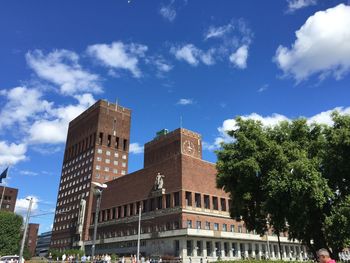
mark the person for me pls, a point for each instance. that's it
(50, 257)
(323, 256)
(64, 257)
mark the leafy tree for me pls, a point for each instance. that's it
(292, 177)
(10, 233)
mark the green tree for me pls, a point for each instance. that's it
(10, 233)
(291, 177)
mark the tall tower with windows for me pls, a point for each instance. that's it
(96, 150)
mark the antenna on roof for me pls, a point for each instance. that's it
(180, 121)
(116, 104)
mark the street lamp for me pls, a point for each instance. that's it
(97, 190)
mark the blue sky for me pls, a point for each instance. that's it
(207, 61)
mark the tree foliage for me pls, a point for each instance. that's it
(291, 177)
(10, 233)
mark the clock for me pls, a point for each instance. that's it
(188, 147)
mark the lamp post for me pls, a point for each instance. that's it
(25, 229)
(97, 190)
(139, 236)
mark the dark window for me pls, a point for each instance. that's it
(197, 200)
(160, 202)
(144, 206)
(176, 199)
(188, 198)
(125, 146)
(100, 138)
(132, 209)
(215, 203)
(223, 204)
(138, 207)
(114, 213)
(116, 145)
(119, 214)
(152, 206)
(109, 138)
(125, 210)
(167, 201)
(206, 202)
(189, 248)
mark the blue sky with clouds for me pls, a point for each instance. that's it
(204, 61)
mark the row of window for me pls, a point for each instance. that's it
(107, 169)
(73, 198)
(72, 183)
(166, 201)
(77, 159)
(118, 142)
(215, 226)
(206, 201)
(73, 190)
(80, 147)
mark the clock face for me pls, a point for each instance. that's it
(188, 147)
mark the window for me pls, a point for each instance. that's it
(197, 200)
(224, 227)
(123, 164)
(207, 225)
(232, 228)
(125, 144)
(189, 248)
(106, 169)
(167, 201)
(206, 202)
(100, 138)
(223, 204)
(99, 151)
(239, 229)
(198, 224)
(215, 203)
(176, 199)
(123, 172)
(116, 155)
(160, 202)
(98, 167)
(188, 198)
(116, 145)
(189, 223)
(109, 140)
(216, 226)
(115, 162)
(124, 156)
(108, 153)
(107, 161)
(98, 159)
(115, 171)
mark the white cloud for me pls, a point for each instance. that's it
(298, 4)
(321, 46)
(185, 102)
(119, 56)
(193, 55)
(220, 31)
(11, 153)
(53, 130)
(273, 120)
(263, 88)
(29, 173)
(61, 68)
(22, 205)
(168, 12)
(135, 148)
(22, 105)
(239, 58)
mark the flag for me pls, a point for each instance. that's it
(3, 175)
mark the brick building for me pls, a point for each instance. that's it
(32, 237)
(9, 197)
(96, 150)
(183, 213)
